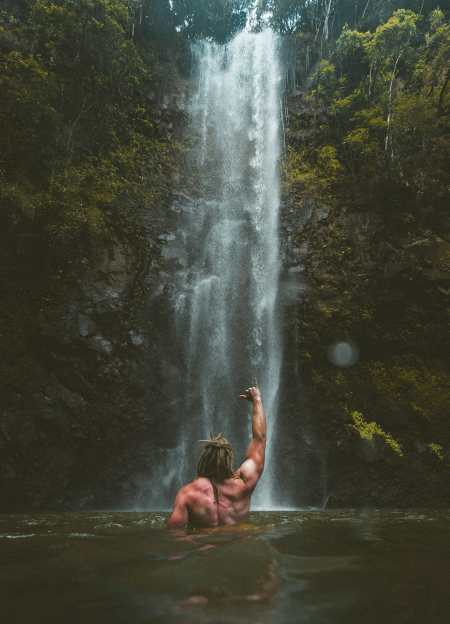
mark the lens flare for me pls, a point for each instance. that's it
(343, 353)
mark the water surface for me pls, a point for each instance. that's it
(321, 567)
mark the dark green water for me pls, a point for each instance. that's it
(318, 567)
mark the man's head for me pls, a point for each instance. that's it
(216, 461)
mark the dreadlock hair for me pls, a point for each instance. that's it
(216, 462)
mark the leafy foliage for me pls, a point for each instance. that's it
(76, 133)
(393, 123)
(437, 448)
(368, 430)
(368, 141)
(210, 19)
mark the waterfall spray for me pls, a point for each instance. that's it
(226, 313)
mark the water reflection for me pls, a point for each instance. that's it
(317, 567)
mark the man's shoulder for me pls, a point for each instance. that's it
(201, 485)
(250, 473)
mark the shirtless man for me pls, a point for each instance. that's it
(223, 497)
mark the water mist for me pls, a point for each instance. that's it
(225, 299)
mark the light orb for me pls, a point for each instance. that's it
(343, 353)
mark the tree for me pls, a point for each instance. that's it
(216, 20)
(76, 132)
(155, 21)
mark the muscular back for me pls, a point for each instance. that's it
(195, 502)
(197, 499)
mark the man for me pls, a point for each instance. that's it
(218, 495)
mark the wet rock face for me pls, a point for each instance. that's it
(88, 424)
(93, 415)
(80, 383)
(379, 281)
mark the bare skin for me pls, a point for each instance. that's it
(195, 504)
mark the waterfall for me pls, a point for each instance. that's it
(226, 297)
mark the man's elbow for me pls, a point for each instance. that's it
(176, 522)
(260, 467)
(171, 524)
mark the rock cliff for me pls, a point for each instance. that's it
(93, 415)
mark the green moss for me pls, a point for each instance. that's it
(436, 448)
(425, 387)
(368, 430)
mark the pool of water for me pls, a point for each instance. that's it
(318, 567)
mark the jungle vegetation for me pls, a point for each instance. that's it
(371, 142)
(76, 132)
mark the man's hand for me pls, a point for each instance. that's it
(252, 394)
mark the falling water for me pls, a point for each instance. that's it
(226, 313)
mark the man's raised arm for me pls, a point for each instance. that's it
(252, 468)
